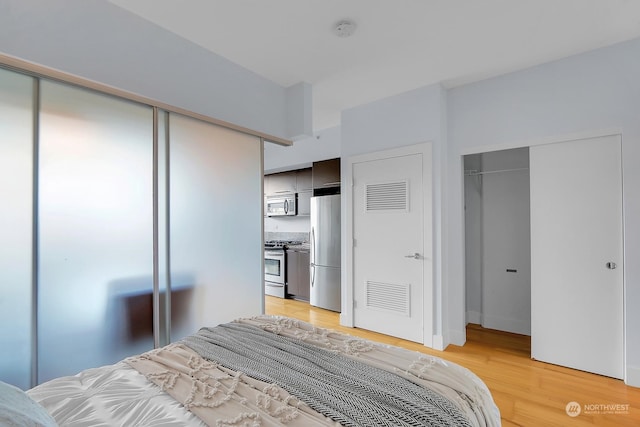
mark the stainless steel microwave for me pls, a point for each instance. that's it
(281, 205)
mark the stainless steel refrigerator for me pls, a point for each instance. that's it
(324, 266)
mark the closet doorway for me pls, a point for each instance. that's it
(497, 240)
(544, 249)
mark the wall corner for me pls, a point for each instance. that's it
(298, 110)
(633, 376)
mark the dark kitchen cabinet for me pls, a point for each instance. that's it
(280, 183)
(304, 180)
(304, 203)
(293, 181)
(298, 274)
(326, 177)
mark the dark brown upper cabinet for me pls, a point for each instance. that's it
(280, 183)
(304, 180)
(326, 177)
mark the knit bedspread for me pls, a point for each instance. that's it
(341, 388)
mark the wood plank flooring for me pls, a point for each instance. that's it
(528, 393)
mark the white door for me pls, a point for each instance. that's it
(576, 255)
(391, 259)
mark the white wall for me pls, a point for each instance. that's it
(595, 92)
(408, 118)
(299, 111)
(294, 224)
(99, 41)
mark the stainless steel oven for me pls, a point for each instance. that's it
(274, 272)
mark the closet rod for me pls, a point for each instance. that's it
(474, 172)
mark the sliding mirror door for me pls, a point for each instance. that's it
(16, 201)
(95, 230)
(216, 225)
(93, 211)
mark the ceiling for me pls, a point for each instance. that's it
(398, 45)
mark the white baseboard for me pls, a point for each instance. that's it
(633, 376)
(516, 326)
(474, 317)
(457, 337)
(346, 319)
(438, 342)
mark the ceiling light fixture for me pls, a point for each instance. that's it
(344, 28)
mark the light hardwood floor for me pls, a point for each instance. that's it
(528, 393)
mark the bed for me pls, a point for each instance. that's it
(271, 371)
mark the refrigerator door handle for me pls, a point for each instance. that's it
(313, 274)
(313, 245)
(313, 239)
(312, 265)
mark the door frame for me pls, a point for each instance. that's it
(459, 306)
(429, 307)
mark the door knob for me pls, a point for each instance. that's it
(414, 256)
(611, 265)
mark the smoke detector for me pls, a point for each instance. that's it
(344, 28)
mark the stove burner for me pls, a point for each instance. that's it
(275, 244)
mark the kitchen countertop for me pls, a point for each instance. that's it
(301, 247)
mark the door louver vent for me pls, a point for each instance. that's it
(388, 297)
(386, 196)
